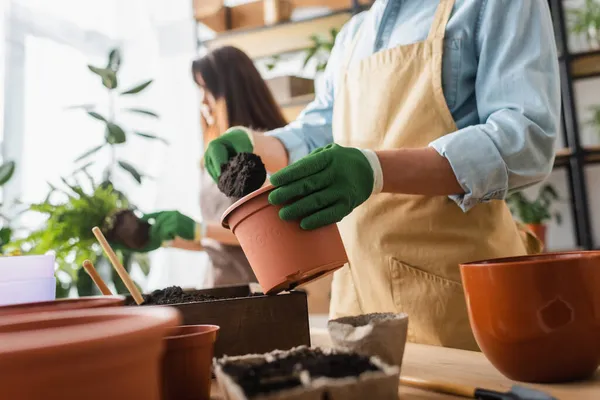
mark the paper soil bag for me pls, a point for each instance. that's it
(380, 334)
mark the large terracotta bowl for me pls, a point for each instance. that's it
(108, 353)
(281, 253)
(63, 305)
(537, 318)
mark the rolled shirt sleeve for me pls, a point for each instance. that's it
(312, 128)
(518, 101)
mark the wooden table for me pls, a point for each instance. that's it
(464, 367)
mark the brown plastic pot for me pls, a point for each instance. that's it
(186, 365)
(108, 353)
(537, 318)
(281, 253)
(63, 305)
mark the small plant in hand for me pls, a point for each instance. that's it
(535, 212)
(243, 174)
(125, 228)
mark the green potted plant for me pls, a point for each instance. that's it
(535, 213)
(7, 171)
(586, 21)
(321, 49)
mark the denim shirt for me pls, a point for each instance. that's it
(499, 77)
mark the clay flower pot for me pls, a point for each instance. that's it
(186, 365)
(282, 254)
(537, 318)
(539, 230)
(109, 353)
(63, 305)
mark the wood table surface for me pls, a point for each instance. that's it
(461, 367)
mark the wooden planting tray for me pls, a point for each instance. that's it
(250, 325)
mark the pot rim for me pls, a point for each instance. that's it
(243, 200)
(200, 336)
(46, 306)
(534, 259)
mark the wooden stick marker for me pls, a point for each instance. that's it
(93, 273)
(114, 260)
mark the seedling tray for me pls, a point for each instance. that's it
(249, 325)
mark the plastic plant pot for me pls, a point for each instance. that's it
(63, 305)
(26, 279)
(281, 253)
(537, 318)
(186, 364)
(99, 354)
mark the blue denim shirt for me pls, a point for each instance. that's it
(500, 80)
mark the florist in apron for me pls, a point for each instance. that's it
(436, 110)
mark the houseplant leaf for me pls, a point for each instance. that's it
(138, 88)
(152, 137)
(114, 60)
(115, 134)
(109, 77)
(142, 111)
(89, 153)
(99, 117)
(7, 170)
(131, 169)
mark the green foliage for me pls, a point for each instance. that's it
(595, 120)
(585, 20)
(114, 133)
(321, 49)
(537, 211)
(6, 172)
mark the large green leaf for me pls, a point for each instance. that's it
(131, 169)
(138, 88)
(5, 235)
(99, 117)
(89, 153)
(151, 136)
(6, 171)
(142, 111)
(109, 77)
(114, 60)
(115, 134)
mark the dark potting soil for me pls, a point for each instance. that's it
(176, 295)
(243, 174)
(127, 229)
(284, 372)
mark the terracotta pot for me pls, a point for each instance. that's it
(63, 305)
(111, 353)
(186, 365)
(537, 317)
(282, 254)
(539, 230)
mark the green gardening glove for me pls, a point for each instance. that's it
(323, 187)
(220, 150)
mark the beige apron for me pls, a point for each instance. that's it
(404, 250)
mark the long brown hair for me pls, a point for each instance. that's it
(230, 75)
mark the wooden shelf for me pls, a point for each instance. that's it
(585, 65)
(292, 109)
(592, 156)
(280, 38)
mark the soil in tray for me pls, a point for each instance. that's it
(284, 372)
(124, 227)
(243, 174)
(176, 295)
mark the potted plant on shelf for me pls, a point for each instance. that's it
(586, 21)
(535, 214)
(321, 49)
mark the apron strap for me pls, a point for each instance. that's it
(442, 15)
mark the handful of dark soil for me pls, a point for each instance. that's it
(284, 371)
(176, 295)
(242, 175)
(125, 228)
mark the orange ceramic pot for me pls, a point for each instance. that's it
(539, 230)
(109, 353)
(281, 253)
(186, 365)
(63, 305)
(537, 318)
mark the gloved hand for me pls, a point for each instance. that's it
(323, 187)
(235, 140)
(167, 226)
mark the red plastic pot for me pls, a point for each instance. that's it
(281, 253)
(63, 305)
(186, 365)
(109, 353)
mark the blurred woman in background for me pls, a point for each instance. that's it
(232, 93)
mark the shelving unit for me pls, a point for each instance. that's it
(293, 36)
